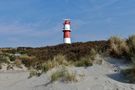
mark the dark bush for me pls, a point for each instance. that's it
(72, 52)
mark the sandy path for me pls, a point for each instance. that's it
(98, 77)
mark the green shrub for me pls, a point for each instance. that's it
(118, 47)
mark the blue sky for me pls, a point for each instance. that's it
(39, 22)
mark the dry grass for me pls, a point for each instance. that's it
(60, 61)
(131, 42)
(57, 61)
(64, 75)
(34, 72)
(118, 46)
(85, 61)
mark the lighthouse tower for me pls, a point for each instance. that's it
(67, 31)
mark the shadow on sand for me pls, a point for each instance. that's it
(119, 77)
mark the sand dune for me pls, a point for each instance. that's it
(97, 77)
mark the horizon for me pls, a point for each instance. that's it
(37, 23)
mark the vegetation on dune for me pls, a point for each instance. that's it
(64, 74)
(73, 52)
(131, 44)
(61, 60)
(14, 60)
(4, 59)
(87, 60)
(55, 62)
(121, 48)
(27, 60)
(118, 47)
(40, 60)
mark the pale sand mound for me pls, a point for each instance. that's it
(98, 77)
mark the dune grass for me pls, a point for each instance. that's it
(118, 46)
(64, 75)
(61, 60)
(131, 44)
(55, 62)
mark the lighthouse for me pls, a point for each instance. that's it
(67, 31)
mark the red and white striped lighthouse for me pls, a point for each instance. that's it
(67, 31)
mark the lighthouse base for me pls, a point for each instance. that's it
(67, 40)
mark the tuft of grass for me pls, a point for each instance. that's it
(48, 65)
(87, 60)
(70, 77)
(56, 75)
(57, 61)
(64, 75)
(34, 72)
(60, 60)
(118, 46)
(131, 44)
(93, 53)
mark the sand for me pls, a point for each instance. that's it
(106, 76)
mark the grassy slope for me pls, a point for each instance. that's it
(72, 51)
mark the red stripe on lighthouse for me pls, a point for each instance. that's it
(66, 34)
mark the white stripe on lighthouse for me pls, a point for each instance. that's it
(67, 40)
(67, 27)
